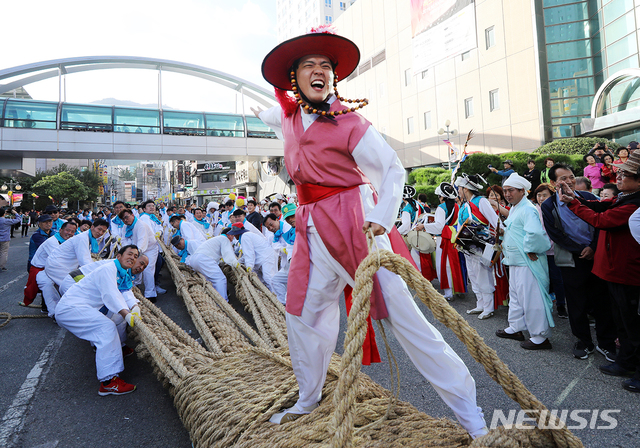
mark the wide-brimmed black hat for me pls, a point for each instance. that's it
(343, 54)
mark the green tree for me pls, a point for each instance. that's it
(62, 187)
(127, 175)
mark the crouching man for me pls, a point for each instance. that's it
(82, 310)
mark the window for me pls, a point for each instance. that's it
(136, 121)
(327, 3)
(490, 37)
(343, 6)
(424, 74)
(494, 100)
(26, 114)
(328, 20)
(468, 107)
(466, 55)
(410, 125)
(569, 50)
(427, 120)
(407, 77)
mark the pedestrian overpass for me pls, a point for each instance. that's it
(44, 129)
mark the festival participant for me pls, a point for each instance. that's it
(187, 230)
(336, 159)
(85, 225)
(141, 235)
(623, 154)
(206, 258)
(524, 246)
(74, 252)
(592, 172)
(54, 212)
(410, 211)
(240, 215)
(257, 254)
(617, 261)
(38, 281)
(187, 212)
(117, 226)
(39, 236)
(253, 215)
(283, 238)
(201, 223)
(608, 192)
(447, 260)
(80, 312)
(276, 209)
(575, 245)
(496, 198)
(608, 171)
(478, 210)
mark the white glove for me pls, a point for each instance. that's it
(136, 310)
(131, 319)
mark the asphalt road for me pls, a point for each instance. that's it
(49, 389)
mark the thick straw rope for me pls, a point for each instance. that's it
(344, 400)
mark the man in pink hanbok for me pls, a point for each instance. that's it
(348, 180)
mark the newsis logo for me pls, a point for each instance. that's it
(576, 419)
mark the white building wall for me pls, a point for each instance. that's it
(509, 66)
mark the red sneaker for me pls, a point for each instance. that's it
(116, 386)
(127, 351)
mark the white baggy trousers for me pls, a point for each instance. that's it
(526, 306)
(209, 267)
(91, 325)
(50, 293)
(482, 282)
(314, 334)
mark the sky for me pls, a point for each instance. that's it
(231, 36)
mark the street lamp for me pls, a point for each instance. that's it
(11, 188)
(452, 132)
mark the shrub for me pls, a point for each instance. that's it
(578, 145)
(477, 163)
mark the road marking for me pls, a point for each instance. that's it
(13, 419)
(12, 281)
(567, 390)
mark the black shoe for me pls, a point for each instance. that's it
(582, 350)
(562, 312)
(608, 355)
(615, 370)
(515, 336)
(530, 345)
(632, 385)
(152, 299)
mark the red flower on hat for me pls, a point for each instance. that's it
(326, 29)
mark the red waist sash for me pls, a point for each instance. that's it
(310, 193)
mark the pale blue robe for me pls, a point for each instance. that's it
(524, 234)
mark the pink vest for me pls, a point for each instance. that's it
(322, 156)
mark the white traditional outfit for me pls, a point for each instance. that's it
(530, 305)
(480, 271)
(79, 312)
(50, 294)
(142, 235)
(346, 173)
(258, 255)
(190, 232)
(206, 258)
(283, 246)
(74, 252)
(75, 276)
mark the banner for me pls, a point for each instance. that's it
(441, 29)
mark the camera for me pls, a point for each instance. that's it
(489, 166)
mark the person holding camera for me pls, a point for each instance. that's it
(6, 224)
(506, 172)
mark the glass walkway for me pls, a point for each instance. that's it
(30, 114)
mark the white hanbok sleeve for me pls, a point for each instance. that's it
(273, 118)
(406, 223)
(488, 212)
(248, 252)
(226, 250)
(106, 282)
(140, 237)
(435, 227)
(380, 163)
(634, 225)
(83, 251)
(130, 299)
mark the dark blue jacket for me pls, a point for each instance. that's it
(553, 225)
(38, 237)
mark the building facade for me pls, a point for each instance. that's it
(296, 17)
(532, 76)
